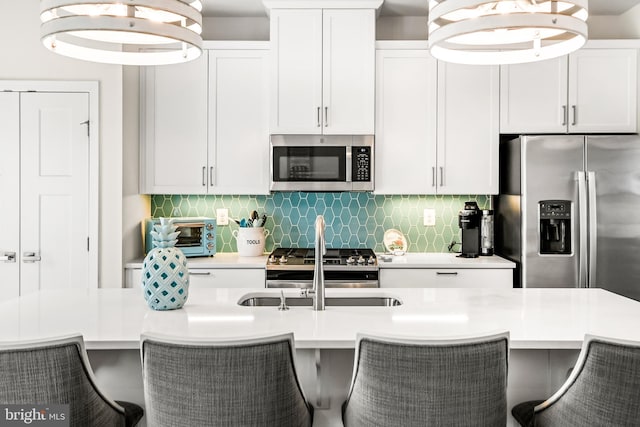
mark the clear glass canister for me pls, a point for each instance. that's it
(486, 232)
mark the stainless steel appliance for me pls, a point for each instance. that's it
(469, 223)
(322, 162)
(343, 268)
(197, 235)
(486, 232)
(567, 212)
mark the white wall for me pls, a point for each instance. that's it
(135, 207)
(24, 58)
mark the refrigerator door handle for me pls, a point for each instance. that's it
(582, 249)
(593, 229)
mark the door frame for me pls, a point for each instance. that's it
(93, 89)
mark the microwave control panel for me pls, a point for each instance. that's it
(361, 164)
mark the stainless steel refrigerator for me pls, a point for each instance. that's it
(568, 212)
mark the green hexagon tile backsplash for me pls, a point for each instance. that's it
(353, 219)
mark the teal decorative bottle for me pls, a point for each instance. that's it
(165, 276)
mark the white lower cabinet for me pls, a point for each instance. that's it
(446, 278)
(210, 277)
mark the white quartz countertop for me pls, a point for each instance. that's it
(408, 260)
(441, 260)
(221, 260)
(535, 318)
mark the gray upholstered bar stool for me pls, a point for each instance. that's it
(241, 382)
(602, 390)
(57, 371)
(417, 382)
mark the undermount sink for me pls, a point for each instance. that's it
(273, 300)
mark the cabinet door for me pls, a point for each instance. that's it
(296, 73)
(174, 128)
(468, 138)
(9, 194)
(406, 105)
(348, 64)
(227, 277)
(238, 122)
(603, 90)
(446, 278)
(533, 97)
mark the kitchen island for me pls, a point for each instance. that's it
(546, 328)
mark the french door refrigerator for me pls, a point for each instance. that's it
(568, 212)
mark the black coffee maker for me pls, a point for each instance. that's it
(469, 222)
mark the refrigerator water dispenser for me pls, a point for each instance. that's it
(555, 227)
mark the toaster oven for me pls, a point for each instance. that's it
(197, 235)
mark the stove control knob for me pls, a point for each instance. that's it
(360, 259)
(272, 259)
(351, 260)
(283, 259)
(371, 260)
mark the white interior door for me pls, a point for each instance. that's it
(9, 194)
(54, 204)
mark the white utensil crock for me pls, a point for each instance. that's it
(250, 240)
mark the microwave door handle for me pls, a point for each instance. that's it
(349, 166)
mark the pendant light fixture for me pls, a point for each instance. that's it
(112, 31)
(505, 31)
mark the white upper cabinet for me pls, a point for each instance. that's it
(406, 102)
(588, 91)
(533, 97)
(174, 128)
(436, 125)
(603, 90)
(238, 122)
(468, 134)
(205, 124)
(323, 71)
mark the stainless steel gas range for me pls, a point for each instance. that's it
(343, 268)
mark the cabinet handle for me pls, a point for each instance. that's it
(433, 176)
(211, 176)
(199, 273)
(574, 108)
(564, 115)
(318, 117)
(446, 273)
(30, 256)
(326, 116)
(204, 176)
(441, 176)
(8, 257)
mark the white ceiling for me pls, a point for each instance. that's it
(226, 8)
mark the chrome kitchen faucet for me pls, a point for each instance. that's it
(317, 292)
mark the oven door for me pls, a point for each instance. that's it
(332, 279)
(310, 163)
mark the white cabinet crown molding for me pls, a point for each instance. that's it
(322, 4)
(236, 45)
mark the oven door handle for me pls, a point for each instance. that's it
(327, 283)
(289, 284)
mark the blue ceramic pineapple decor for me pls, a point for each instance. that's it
(165, 276)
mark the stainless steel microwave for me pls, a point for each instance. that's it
(322, 162)
(197, 235)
